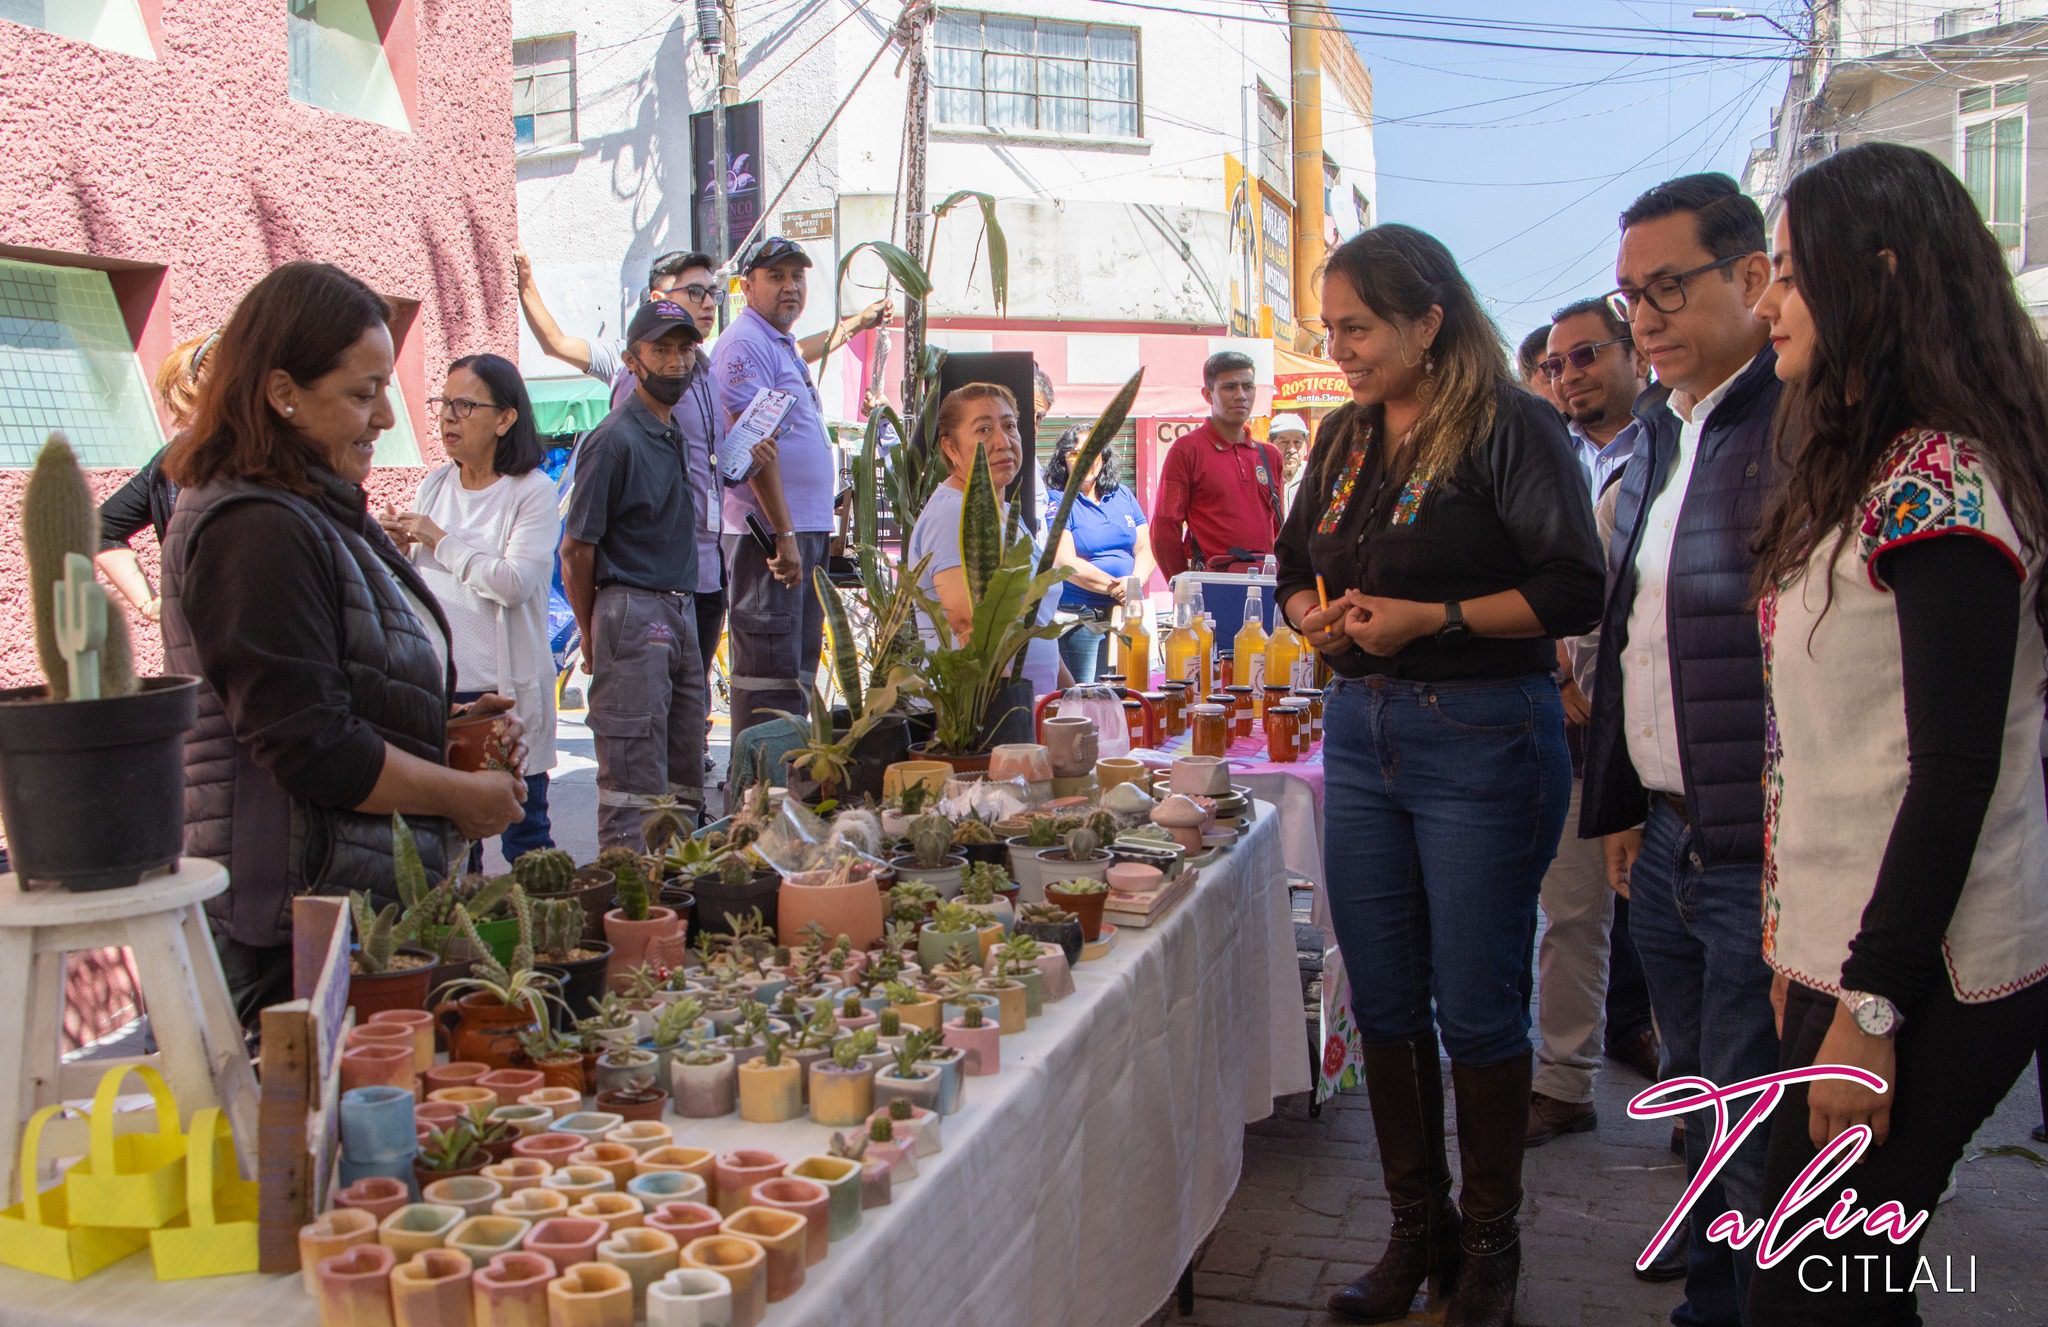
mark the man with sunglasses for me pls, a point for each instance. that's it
(1675, 749)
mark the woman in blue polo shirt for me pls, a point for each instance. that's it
(1101, 546)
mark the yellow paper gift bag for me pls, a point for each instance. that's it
(219, 1234)
(36, 1235)
(130, 1179)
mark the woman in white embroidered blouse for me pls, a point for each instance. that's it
(483, 533)
(1903, 615)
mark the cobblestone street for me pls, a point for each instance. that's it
(1310, 1214)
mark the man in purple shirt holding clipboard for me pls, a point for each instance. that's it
(777, 624)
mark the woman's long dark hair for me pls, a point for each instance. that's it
(1060, 467)
(302, 318)
(1400, 272)
(1938, 341)
(519, 450)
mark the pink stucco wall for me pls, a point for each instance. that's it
(192, 175)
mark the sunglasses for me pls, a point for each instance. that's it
(1580, 357)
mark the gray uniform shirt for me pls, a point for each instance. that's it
(634, 500)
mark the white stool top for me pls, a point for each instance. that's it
(195, 880)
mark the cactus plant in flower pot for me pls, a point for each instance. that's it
(771, 1086)
(842, 1086)
(1052, 924)
(907, 1077)
(931, 859)
(636, 924)
(92, 747)
(559, 925)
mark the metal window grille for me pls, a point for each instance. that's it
(1007, 71)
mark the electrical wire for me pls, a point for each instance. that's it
(799, 57)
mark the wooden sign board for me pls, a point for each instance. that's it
(299, 1123)
(809, 224)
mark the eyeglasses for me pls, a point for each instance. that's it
(461, 407)
(694, 293)
(1666, 294)
(1580, 357)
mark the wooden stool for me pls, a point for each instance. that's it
(200, 1052)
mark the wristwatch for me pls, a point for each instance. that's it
(1875, 1015)
(1454, 631)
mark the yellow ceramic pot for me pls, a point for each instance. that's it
(617, 1211)
(741, 1262)
(591, 1294)
(770, 1094)
(781, 1237)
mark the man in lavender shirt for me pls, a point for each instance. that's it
(777, 620)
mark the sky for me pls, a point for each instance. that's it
(1525, 188)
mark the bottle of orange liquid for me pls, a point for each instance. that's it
(1250, 651)
(1283, 652)
(1185, 661)
(1134, 637)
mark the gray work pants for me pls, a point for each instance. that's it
(647, 708)
(775, 631)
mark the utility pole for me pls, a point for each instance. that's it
(719, 36)
(917, 134)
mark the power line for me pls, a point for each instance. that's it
(799, 57)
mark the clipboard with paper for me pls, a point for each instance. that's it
(763, 415)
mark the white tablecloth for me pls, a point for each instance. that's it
(1073, 1187)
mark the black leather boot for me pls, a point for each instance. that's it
(1492, 1105)
(1406, 1088)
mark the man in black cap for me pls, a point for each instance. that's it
(629, 565)
(777, 623)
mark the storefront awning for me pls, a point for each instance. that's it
(568, 405)
(1303, 382)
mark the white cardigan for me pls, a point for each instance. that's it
(500, 567)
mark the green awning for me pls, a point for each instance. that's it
(568, 405)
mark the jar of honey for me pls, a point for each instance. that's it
(1223, 698)
(1174, 717)
(1157, 700)
(1134, 719)
(1226, 661)
(1210, 726)
(1241, 713)
(1313, 699)
(1283, 733)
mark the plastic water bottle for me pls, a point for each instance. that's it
(1270, 568)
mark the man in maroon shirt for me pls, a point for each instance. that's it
(1218, 507)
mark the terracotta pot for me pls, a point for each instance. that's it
(432, 1290)
(633, 1105)
(515, 1174)
(381, 1034)
(686, 1221)
(455, 1073)
(564, 1072)
(739, 1171)
(853, 910)
(565, 1240)
(690, 1297)
(620, 1161)
(742, 1263)
(478, 1102)
(533, 1205)
(355, 1287)
(512, 1291)
(403, 988)
(474, 1194)
(420, 1022)
(512, 1084)
(379, 1195)
(486, 1029)
(645, 1256)
(781, 1237)
(842, 1180)
(629, 939)
(471, 739)
(808, 1199)
(559, 1099)
(417, 1227)
(617, 1211)
(441, 1114)
(591, 1294)
(329, 1234)
(378, 1065)
(1087, 908)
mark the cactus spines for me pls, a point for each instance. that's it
(59, 518)
(930, 838)
(901, 1109)
(522, 912)
(1104, 827)
(889, 1023)
(1081, 844)
(81, 622)
(970, 1016)
(545, 871)
(624, 865)
(557, 926)
(881, 1129)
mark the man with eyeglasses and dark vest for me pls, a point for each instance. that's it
(1675, 748)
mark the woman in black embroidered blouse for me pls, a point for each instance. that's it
(1447, 521)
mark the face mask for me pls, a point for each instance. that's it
(666, 388)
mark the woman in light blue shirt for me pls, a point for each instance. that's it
(1101, 546)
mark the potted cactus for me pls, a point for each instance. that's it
(931, 858)
(1041, 833)
(559, 925)
(1081, 883)
(842, 1086)
(385, 972)
(1051, 924)
(739, 886)
(977, 842)
(907, 1077)
(550, 873)
(637, 924)
(92, 747)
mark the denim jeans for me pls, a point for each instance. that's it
(1085, 652)
(1699, 930)
(1443, 806)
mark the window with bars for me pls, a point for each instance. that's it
(1276, 147)
(543, 92)
(1991, 123)
(1006, 71)
(66, 362)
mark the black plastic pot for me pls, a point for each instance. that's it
(582, 981)
(715, 899)
(1066, 934)
(93, 791)
(883, 745)
(995, 854)
(1010, 711)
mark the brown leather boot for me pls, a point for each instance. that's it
(1405, 1085)
(1492, 1105)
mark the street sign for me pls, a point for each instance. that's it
(809, 224)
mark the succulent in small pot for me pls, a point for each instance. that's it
(951, 924)
(977, 1039)
(771, 1086)
(908, 1078)
(637, 1097)
(621, 1065)
(842, 1089)
(912, 901)
(986, 888)
(703, 1080)
(456, 1149)
(1054, 925)
(885, 1148)
(636, 929)
(912, 1007)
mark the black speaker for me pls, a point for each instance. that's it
(1012, 369)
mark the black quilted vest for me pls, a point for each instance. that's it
(276, 845)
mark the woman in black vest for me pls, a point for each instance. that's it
(325, 656)
(1447, 523)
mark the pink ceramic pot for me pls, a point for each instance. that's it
(739, 1171)
(355, 1287)
(512, 1291)
(741, 1262)
(375, 1065)
(432, 1290)
(515, 1174)
(853, 909)
(420, 1023)
(456, 1073)
(565, 1240)
(333, 1233)
(379, 1195)
(685, 1221)
(512, 1084)
(553, 1148)
(809, 1200)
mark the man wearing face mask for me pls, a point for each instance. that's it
(629, 565)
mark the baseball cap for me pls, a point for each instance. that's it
(1287, 424)
(655, 317)
(773, 250)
